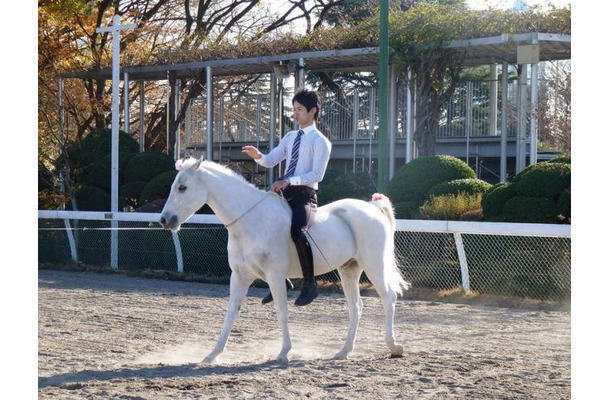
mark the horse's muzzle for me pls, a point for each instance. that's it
(171, 223)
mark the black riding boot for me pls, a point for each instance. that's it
(309, 289)
(269, 297)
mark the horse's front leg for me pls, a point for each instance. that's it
(280, 300)
(238, 289)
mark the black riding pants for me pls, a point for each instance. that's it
(304, 203)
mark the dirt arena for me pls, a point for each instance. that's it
(104, 336)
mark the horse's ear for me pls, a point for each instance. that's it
(179, 164)
(198, 163)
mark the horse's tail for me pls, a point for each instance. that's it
(393, 275)
(386, 207)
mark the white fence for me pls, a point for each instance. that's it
(528, 260)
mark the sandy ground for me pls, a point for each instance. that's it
(111, 336)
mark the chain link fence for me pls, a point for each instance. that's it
(532, 266)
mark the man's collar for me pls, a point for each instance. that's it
(310, 128)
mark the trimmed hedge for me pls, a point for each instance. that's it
(91, 198)
(530, 209)
(158, 187)
(129, 194)
(100, 175)
(407, 210)
(338, 185)
(495, 198)
(457, 186)
(85, 154)
(564, 203)
(566, 159)
(544, 180)
(143, 167)
(413, 181)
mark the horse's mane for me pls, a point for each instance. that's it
(213, 166)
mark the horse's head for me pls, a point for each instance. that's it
(186, 196)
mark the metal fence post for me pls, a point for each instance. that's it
(459, 244)
(178, 248)
(73, 252)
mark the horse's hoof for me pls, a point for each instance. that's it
(396, 351)
(209, 360)
(340, 356)
(282, 360)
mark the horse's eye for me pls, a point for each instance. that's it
(181, 188)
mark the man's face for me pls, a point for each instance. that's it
(302, 116)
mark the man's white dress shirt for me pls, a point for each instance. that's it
(314, 153)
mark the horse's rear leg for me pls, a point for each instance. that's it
(237, 293)
(280, 300)
(388, 298)
(350, 278)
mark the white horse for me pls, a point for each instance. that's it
(349, 235)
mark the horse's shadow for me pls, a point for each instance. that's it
(192, 370)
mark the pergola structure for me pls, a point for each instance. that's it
(521, 49)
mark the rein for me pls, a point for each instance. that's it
(246, 212)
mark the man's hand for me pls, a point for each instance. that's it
(252, 152)
(279, 185)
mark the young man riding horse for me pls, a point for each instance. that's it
(306, 152)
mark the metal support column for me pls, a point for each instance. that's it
(126, 116)
(355, 106)
(209, 115)
(493, 100)
(521, 118)
(188, 127)
(141, 122)
(469, 95)
(259, 131)
(534, 115)
(409, 121)
(300, 77)
(221, 126)
(504, 122)
(272, 126)
(176, 126)
(372, 121)
(392, 122)
(384, 57)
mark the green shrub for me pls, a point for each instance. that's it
(565, 159)
(530, 209)
(564, 206)
(100, 175)
(338, 185)
(495, 198)
(158, 187)
(413, 181)
(449, 206)
(129, 194)
(544, 180)
(145, 166)
(91, 198)
(407, 210)
(468, 186)
(83, 155)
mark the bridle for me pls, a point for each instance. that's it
(245, 212)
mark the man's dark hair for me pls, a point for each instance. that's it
(309, 99)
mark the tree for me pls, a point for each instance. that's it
(68, 41)
(419, 36)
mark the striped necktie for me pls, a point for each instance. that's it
(294, 156)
